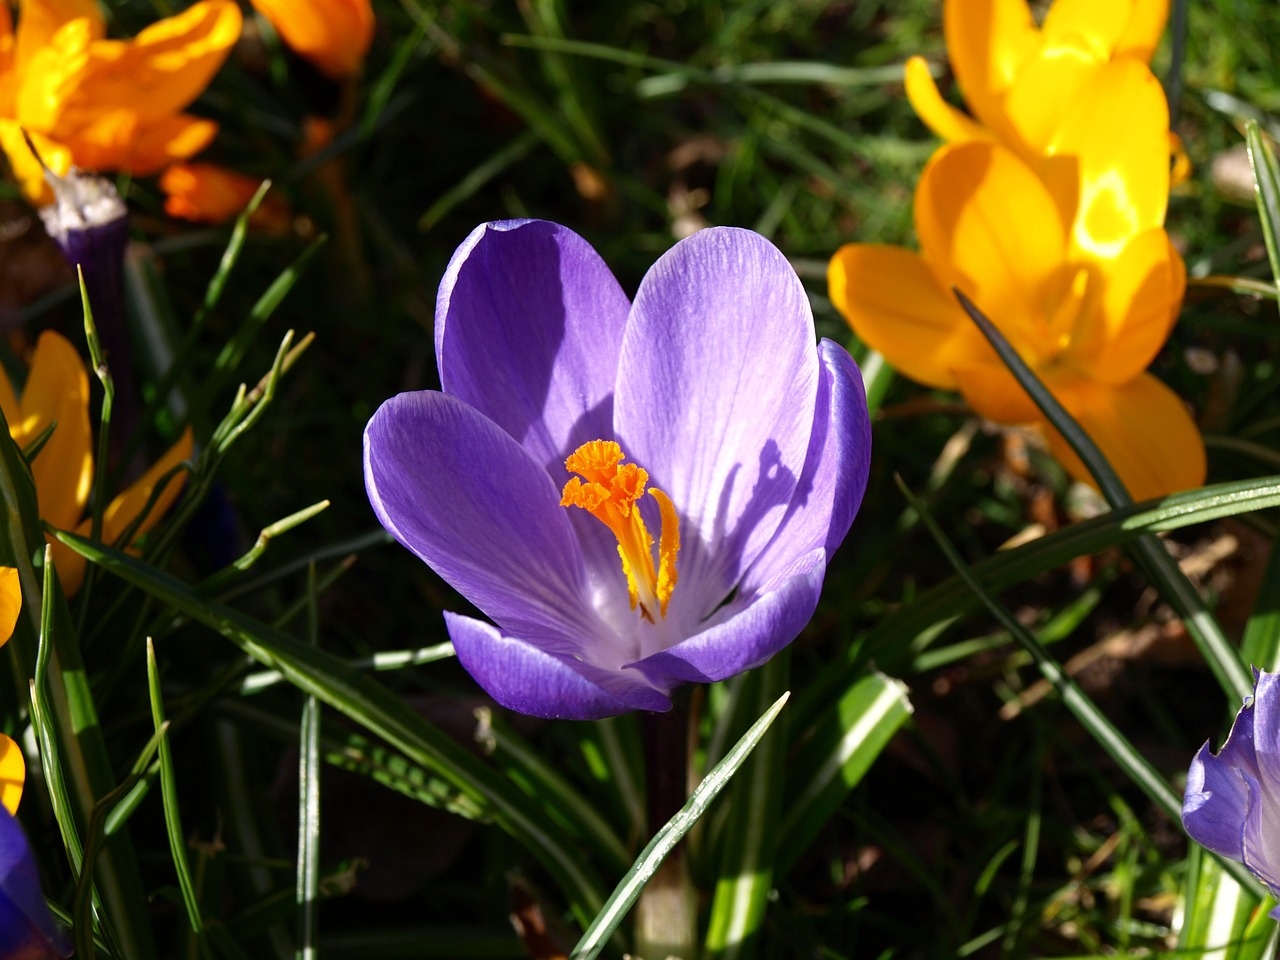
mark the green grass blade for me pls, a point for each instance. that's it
(1134, 765)
(628, 890)
(307, 894)
(750, 839)
(1266, 191)
(836, 757)
(1260, 646)
(1217, 911)
(1163, 570)
(169, 799)
(365, 701)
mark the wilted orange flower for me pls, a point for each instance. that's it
(1018, 78)
(208, 193)
(57, 392)
(106, 104)
(333, 34)
(1074, 268)
(13, 769)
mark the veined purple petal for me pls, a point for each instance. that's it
(462, 494)
(749, 637)
(524, 678)
(529, 325)
(835, 470)
(27, 932)
(1217, 799)
(716, 390)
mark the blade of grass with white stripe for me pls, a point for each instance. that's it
(364, 700)
(651, 857)
(748, 843)
(836, 757)
(1134, 765)
(307, 895)
(1163, 570)
(169, 800)
(1218, 912)
(1266, 191)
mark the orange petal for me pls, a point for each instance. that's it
(40, 20)
(26, 168)
(1142, 428)
(10, 602)
(9, 400)
(942, 118)
(1111, 156)
(988, 41)
(57, 391)
(987, 225)
(1141, 299)
(333, 34)
(117, 140)
(894, 303)
(13, 773)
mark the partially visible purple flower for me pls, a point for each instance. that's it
(27, 932)
(1232, 803)
(572, 423)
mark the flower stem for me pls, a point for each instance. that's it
(667, 912)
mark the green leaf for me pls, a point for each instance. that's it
(367, 702)
(628, 890)
(1266, 190)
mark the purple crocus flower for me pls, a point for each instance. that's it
(27, 932)
(572, 423)
(1232, 803)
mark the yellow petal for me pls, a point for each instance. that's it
(26, 168)
(1142, 33)
(57, 391)
(126, 508)
(13, 773)
(9, 400)
(1111, 155)
(40, 20)
(1142, 296)
(118, 140)
(333, 34)
(1046, 87)
(1143, 429)
(1098, 23)
(988, 41)
(49, 75)
(161, 70)
(987, 225)
(10, 602)
(939, 116)
(993, 392)
(894, 303)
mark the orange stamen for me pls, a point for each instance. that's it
(608, 491)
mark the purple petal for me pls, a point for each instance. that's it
(716, 392)
(26, 928)
(524, 678)
(835, 470)
(1216, 804)
(459, 492)
(749, 637)
(529, 324)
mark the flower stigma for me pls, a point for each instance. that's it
(609, 494)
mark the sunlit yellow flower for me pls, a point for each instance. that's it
(207, 193)
(333, 34)
(1087, 304)
(57, 392)
(1018, 78)
(13, 769)
(106, 104)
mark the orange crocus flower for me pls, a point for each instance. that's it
(333, 34)
(13, 768)
(208, 193)
(106, 104)
(1074, 268)
(57, 393)
(1019, 78)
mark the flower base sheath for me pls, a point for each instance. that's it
(574, 426)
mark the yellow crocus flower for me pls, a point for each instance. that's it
(333, 34)
(57, 392)
(1019, 78)
(13, 769)
(106, 104)
(1073, 266)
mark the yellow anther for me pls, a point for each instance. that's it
(608, 491)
